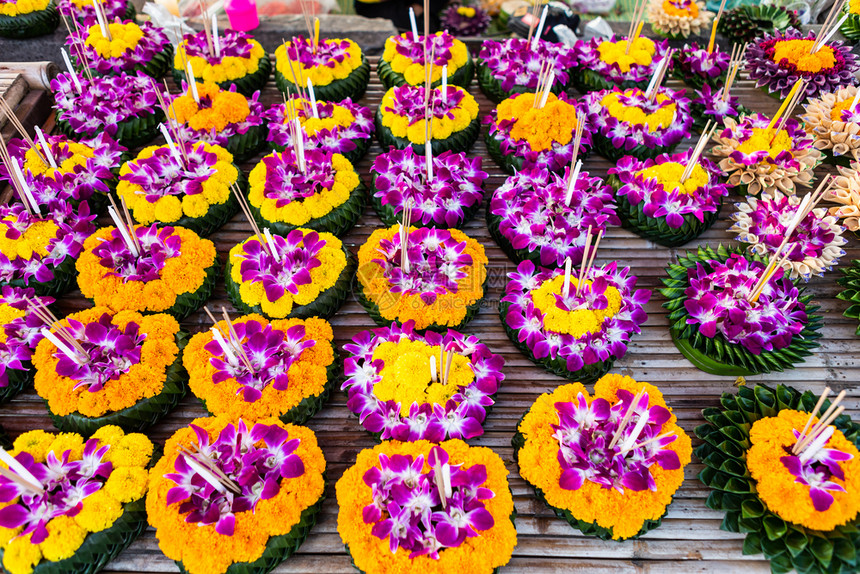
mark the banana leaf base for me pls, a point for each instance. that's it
(324, 306)
(353, 86)
(30, 25)
(247, 145)
(509, 162)
(389, 217)
(17, 381)
(187, 303)
(461, 141)
(851, 27)
(64, 276)
(141, 415)
(607, 149)
(516, 255)
(131, 133)
(462, 77)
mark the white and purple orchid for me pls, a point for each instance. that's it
(256, 117)
(158, 245)
(297, 253)
(234, 44)
(339, 139)
(409, 101)
(286, 182)
(22, 333)
(708, 104)
(697, 62)
(587, 57)
(816, 466)
(439, 46)
(166, 172)
(327, 52)
(153, 41)
(516, 65)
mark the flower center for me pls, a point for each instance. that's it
(798, 53)
(576, 315)
(668, 175)
(124, 38)
(157, 246)
(641, 53)
(25, 240)
(331, 117)
(163, 174)
(466, 11)
(286, 183)
(842, 112)
(633, 108)
(554, 124)
(762, 139)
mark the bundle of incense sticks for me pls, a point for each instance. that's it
(207, 23)
(266, 242)
(536, 7)
(445, 360)
(19, 127)
(707, 133)
(17, 179)
(298, 79)
(588, 255)
(229, 341)
(735, 62)
(311, 22)
(808, 445)
(546, 78)
(575, 162)
(405, 222)
(58, 333)
(785, 111)
(658, 76)
(101, 16)
(79, 45)
(207, 469)
(636, 23)
(830, 26)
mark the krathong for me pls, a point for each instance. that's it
(401, 122)
(83, 500)
(579, 333)
(522, 136)
(120, 369)
(229, 493)
(397, 395)
(28, 18)
(723, 327)
(297, 275)
(814, 246)
(85, 13)
(403, 60)
(190, 189)
(602, 63)
(459, 20)
(678, 18)
(284, 368)
(510, 66)
(173, 272)
(656, 205)
(335, 66)
(697, 66)
(776, 61)
(449, 199)
(128, 48)
(20, 332)
(833, 118)
(530, 218)
(629, 123)
(796, 505)
(438, 282)
(608, 463)
(343, 127)
(757, 158)
(326, 196)
(241, 61)
(420, 507)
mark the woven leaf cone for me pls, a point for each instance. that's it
(353, 86)
(850, 282)
(131, 133)
(142, 414)
(31, 25)
(460, 141)
(324, 306)
(655, 228)
(726, 440)
(744, 23)
(462, 77)
(389, 217)
(716, 355)
(246, 85)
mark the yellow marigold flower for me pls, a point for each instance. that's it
(99, 511)
(799, 53)
(7, 534)
(23, 7)
(641, 53)
(133, 449)
(124, 38)
(108, 434)
(20, 556)
(65, 536)
(67, 441)
(554, 123)
(324, 74)
(34, 240)
(168, 209)
(230, 67)
(577, 322)
(669, 175)
(763, 139)
(127, 483)
(36, 442)
(80, 154)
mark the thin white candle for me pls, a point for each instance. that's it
(547, 89)
(206, 474)
(215, 39)
(539, 28)
(71, 69)
(65, 349)
(568, 263)
(101, 20)
(120, 225)
(300, 144)
(571, 183)
(271, 241)
(433, 374)
(19, 468)
(816, 445)
(633, 437)
(44, 143)
(192, 82)
(225, 346)
(428, 161)
(313, 98)
(25, 188)
(414, 25)
(445, 83)
(172, 146)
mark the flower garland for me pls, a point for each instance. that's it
(521, 136)
(85, 13)
(815, 245)
(580, 335)
(603, 63)
(240, 57)
(777, 61)
(756, 159)
(290, 360)
(333, 59)
(698, 67)
(22, 7)
(442, 286)
(128, 48)
(174, 272)
(472, 531)
(460, 20)
(448, 200)
(453, 113)
(21, 332)
(393, 392)
(835, 126)
(626, 122)
(846, 192)
(512, 66)
(679, 18)
(531, 219)
(278, 500)
(88, 487)
(306, 266)
(616, 491)
(404, 56)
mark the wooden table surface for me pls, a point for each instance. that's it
(689, 539)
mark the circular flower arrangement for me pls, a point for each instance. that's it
(86, 170)
(288, 374)
(400, 120)
(343, 127)
(678, 18)
(846, 192)
(327, 196)
(698, 67)
(336, 67)
(777, 61)
(653, 202)
(851, 27)
(130, 48)
(579, 335)
(801, 511)
(509, 67)
(709, 105)
(605, 478)
(603, 63)
(460, 20)
(403, 61)
(835, 126)
(222, 117)
(420, 507)
(84, 12)
(722, 328)
(86, 503)
(242, 61)
(521, 135)
(814, 247)
(628, 123)
(20, 332)
(124, 369)
(190, 189)
(39, 251)
(397, 395)
(276, 478)
(747, 22)
(28, 18)
(124, 106)
(441, 285)
(297, 275)
(449, 199)
(173, 272)
(530, 218)
(757, 159)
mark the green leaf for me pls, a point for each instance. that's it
(752, 508)
(752, 544)
(822, 549)
(795, 541)
(845, 550)
(774, 527)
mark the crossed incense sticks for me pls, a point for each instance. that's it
(808, 445)
(207, 469)
(736, 60)
(446, 358)
(630, 442)
(229, 340)
(588, 255)
(16, 174)
(59, 335)
(266, 240)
